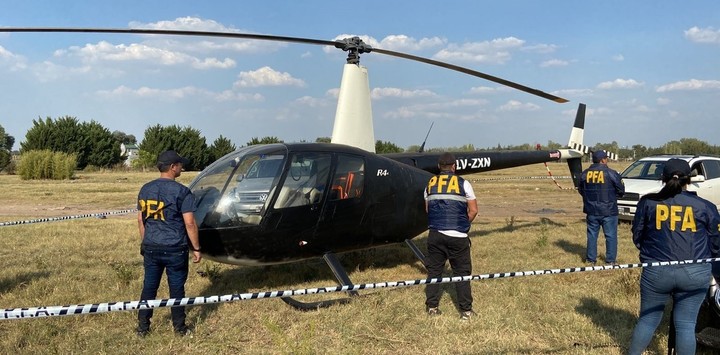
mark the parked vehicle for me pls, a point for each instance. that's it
(643, 177)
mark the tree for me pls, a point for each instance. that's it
(264, 140)
(99, 145)
(220, 147)
(186, 141)
(6, 143)
(323, 140)
(124, 138)
(385, 147)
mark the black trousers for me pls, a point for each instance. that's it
(457, 250)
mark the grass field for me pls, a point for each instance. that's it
(526, 224)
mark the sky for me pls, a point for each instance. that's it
(648, 71)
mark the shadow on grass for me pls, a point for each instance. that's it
(8, 284)
(283, 277)
(616, 322)
(512, 225)
(573, 248)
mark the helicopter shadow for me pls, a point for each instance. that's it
(615, 322)
(572, 248)
(512, 225)
(283, 276)
(21, 280)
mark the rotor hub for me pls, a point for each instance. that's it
(354, 46)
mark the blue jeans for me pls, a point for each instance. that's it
(687, 284)
(175, 263)
(609, 225)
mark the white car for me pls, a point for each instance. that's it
(643, 177)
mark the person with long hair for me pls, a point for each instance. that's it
(674, 225)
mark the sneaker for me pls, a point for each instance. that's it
(433, 311)
(611, 263)
(590, 263)
(184, 332)
(467, 315)
(143, 332)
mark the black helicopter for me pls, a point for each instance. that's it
(281, 203)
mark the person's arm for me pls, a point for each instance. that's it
(472, 209)
(141, 226)
(192, 231)
(638, 225)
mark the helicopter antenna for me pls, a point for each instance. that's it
(422, 147)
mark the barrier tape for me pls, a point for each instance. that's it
(520, 178)
(52, 311)
(62, 218)
(555, 181)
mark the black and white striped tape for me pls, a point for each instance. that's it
(520, 178)
(54, 311)
(63, 218)
(586, 150)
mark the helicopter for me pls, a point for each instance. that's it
(287, 202)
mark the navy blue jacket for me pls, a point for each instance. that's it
(447, 203)
(600, 188)
(683, 227)
(162, 203)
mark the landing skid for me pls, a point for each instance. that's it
(343, 280)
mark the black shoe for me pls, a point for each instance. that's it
(433, 311)
(143, 332)
(467, 315)
(185, 331)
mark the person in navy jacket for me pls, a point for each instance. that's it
(600, 188)
(674, 225)
(451, 206)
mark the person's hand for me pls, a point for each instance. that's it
(196, 256)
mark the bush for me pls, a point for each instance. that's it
(45, 164)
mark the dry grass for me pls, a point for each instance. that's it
(523, 225)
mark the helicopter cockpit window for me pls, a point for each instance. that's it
(234, 190)
(349, 178)
(305, 181)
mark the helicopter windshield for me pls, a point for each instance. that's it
(235, 189)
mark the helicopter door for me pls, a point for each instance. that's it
(343, 212)
(296, 209)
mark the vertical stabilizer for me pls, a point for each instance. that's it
(576, 135)
(353, 118)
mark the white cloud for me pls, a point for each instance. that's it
(618, 58)
(690, 85)
(266, 76)
(313, 102)
(620, 84)
(662, 101)
(514, 105)
(483, 90)
(177, 94)
(496, 51)
(554, 63)
(106, 51)
(379, 93)
(16, 62)
(434, 110)
(703, 35)
(574, 92)
(184, 23)
(403, 43)
(541, 48)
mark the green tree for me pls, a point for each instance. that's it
(6, 143)
(323, 140)
(220, 147)
(122, 137)
(385, 147)
(187, 141)
(99, 145)
(264, 140)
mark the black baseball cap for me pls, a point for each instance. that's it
(677, 167)
(169, 157)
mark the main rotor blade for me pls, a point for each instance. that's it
(170, 32)
(336, 44)
(478, 74)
